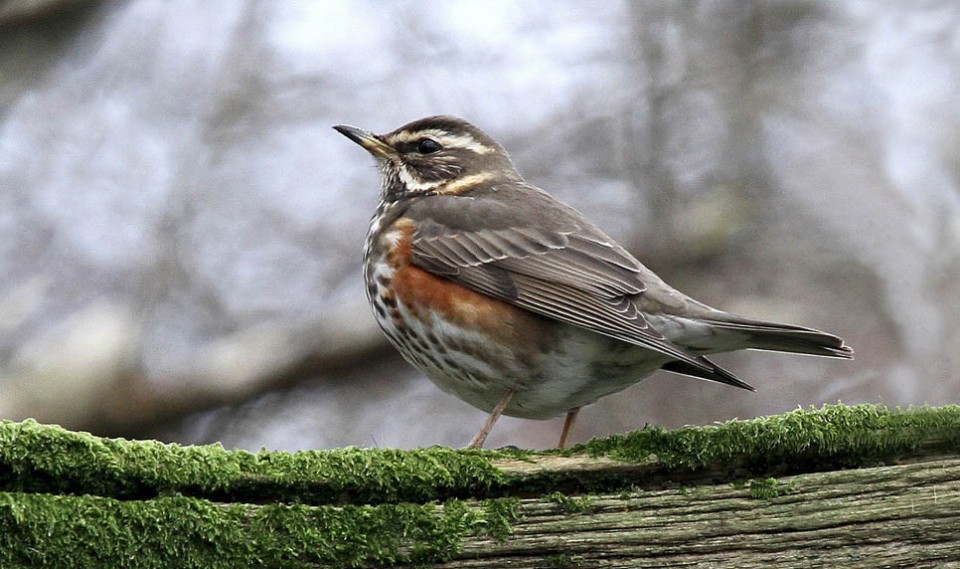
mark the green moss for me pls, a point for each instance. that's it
(768, 488)
(837, 435)
(40, 458)
(40, 530)
(121, 501)
(500, 515)
(570, 504)
(71, 499)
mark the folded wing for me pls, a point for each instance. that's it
(562, 267)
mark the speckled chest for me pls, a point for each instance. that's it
(475, 347)
(378, 271)
(455, 358)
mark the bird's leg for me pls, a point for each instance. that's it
(477, 441)
(567, 426)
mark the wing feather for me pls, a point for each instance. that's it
(563, 268)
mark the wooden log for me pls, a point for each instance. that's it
(836, 486)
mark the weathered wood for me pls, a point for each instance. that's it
(892, 516)
(839, 486)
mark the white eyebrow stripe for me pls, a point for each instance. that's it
(445, 139)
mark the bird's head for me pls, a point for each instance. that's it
(433, 155)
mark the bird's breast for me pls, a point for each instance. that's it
(405, 296)
(475, 346)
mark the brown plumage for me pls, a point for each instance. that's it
(517, 303)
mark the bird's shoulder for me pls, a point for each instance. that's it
(517, 228)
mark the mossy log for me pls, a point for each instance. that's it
(835, 486)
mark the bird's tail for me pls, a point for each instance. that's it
(717, 331)
(761, 335)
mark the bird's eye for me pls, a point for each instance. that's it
(428, 146)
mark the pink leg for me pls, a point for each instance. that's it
(478, 440)
(567, 426)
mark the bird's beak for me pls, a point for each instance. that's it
(366, 139)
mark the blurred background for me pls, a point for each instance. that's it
(181, 229)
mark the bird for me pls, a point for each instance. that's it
(514, 301)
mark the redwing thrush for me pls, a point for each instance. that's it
(516, 302)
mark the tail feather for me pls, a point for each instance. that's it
(784, 337)
(730, 332)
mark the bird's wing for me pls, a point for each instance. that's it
(545, 257)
